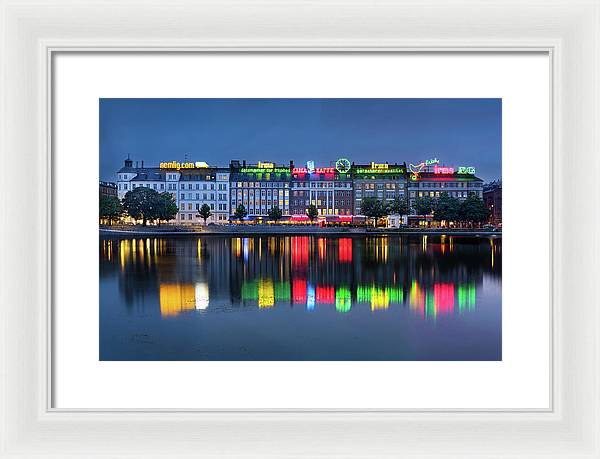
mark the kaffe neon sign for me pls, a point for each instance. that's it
(186, 165)
(316, 170)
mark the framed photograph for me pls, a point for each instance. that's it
(288, 229)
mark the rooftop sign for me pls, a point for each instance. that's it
(258, 170)
(379, 168)
(186, 165)
(315, 170)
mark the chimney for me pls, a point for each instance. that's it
(291, 163)
(137, 164)
(244, 163)
(142, 164)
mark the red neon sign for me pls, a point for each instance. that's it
(443, 170)
(318, 170)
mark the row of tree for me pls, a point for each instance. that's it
(444, 208)
(142, 204)
(148, 205)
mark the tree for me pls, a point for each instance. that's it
(275, 213)
(205, 212)
(374, 208)
(110, 208)
(423, 206)
(167, 207)
(473, 209)
(240, 212)
(446, 208)
(142, 204)
(399, 206)
(312, 212)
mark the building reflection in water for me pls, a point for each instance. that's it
(430, 276)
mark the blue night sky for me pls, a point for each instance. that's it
(459, 132)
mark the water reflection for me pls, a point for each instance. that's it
(300, 298)
(424, 274)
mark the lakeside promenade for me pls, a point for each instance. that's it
(282, 230)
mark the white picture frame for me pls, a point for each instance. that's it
(32, 32)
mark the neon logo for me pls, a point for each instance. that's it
(466, 170)
(429, 162)
(310, 166)
(416, 170)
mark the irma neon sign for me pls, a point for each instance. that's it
(380, 168)
(186, 165)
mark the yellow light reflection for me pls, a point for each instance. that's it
(175, 298)
(266, 293)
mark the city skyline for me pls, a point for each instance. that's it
(457, 131)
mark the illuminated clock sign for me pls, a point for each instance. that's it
(342, 165)
(176, 165)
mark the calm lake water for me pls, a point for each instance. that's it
(301, 298)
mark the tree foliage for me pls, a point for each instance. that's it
(312, 212)
(275, 213)
(423, 206)
(399, 206)
(447, 208)
(374, 208)
(110, 208)
(240, 212)
(167, 207)
(142, 204)
(205, 212)
(473, 209)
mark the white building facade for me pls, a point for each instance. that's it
(191, 184)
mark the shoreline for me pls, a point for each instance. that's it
(241, 231)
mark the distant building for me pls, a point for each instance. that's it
(108, 189)
(382, 181)
(259, 188)
(492, 197)
(329, 189)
